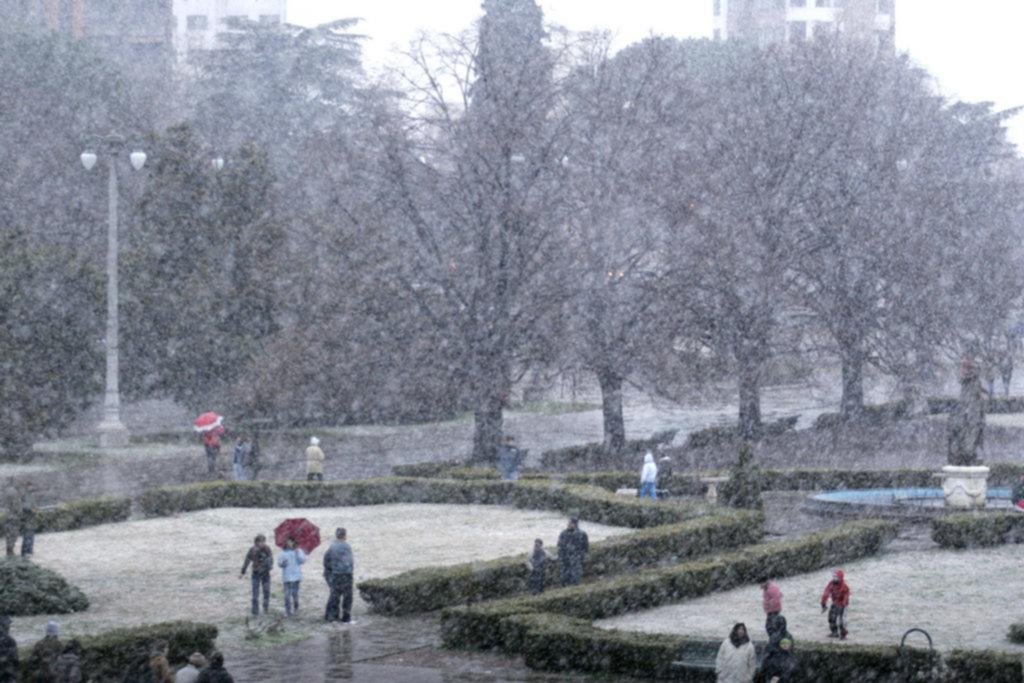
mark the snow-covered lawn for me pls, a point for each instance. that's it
(186, 567)
(963, 599)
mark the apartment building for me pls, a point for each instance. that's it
(778, 21)
(199, 24)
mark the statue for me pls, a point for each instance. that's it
(966, 427)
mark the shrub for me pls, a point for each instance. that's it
(983, 665)
(978, 530)
(587, 502)
(28, 589)
(871, 416)
(1016, 634)
(79, 514)
(727, 435)
(432, 588)
(1004, 405)
(106, 656)
(587, 456)
(480, 626)
(743, 489)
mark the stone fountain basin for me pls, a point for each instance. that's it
(897, 503)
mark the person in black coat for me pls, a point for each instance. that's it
(573, 546)
(215, 673)
(779, 661)
(9, 665)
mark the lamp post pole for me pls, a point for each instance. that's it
(111, 430)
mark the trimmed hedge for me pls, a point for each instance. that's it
(978, 530)
(106, 656)
(585, 455)
(79, 514)
(1016, 634)
(727, 435)
(480, 627)
(28, 589)
(871, 416)
(586, 502)
(944, 404)
(431, 588)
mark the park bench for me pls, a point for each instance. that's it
(697, 655)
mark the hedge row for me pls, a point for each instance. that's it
(1002, 405)
(978, 530)
(586, 455)
(431, 588)
(480, 627)
(79, 514)
(557, 643)
(1016, 634)
(725, 435)
(28, 589)
(586, 502)
(106, 656)
(878, 415)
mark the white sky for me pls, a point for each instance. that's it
(972, 47)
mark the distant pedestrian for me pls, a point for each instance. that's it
(254, 462)
(737, 660)
(291, 560)
(664, 473)
(190, 672)
(573, 546)
(779, 660)
(649, 478)
(240, 459)
(68, 667)
(839, 593)
(211, 445)
(314, 460)
(338, 568)
(45, 653)
(261, 557)
(9, 665)
(12, 517)
(771, 601)
(509, 459)
(158, 663)
(139, 669)
(215, 673)
(538, 567)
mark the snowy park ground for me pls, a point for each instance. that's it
(962, 598)
(186, 567)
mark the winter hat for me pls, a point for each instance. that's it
(786, 644)
(52, 628)
(197, 660)
(838, 574)
(313, 441)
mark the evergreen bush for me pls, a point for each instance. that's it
(745, 484)
(27, 589)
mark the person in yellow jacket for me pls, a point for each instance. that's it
(314, 460)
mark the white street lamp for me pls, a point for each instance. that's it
(217, 163)
(112, 432)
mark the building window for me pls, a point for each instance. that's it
(885, 6)
(795, 3)
(196, 22)
(797, 31)
(718, 34)
(235, 21)
(270, 19)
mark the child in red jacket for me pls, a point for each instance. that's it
(839, 592)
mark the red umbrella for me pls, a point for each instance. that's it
(207, 422)
(305, 533)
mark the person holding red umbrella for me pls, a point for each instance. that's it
(211, 426)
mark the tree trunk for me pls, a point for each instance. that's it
(487, 429)
(750, 398)
(851, 405)
(611, 408)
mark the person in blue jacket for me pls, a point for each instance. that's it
(290, 561)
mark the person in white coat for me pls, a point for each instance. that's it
(649, 478)
(291, 560)
(737, 660)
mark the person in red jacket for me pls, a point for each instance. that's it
(839, 593)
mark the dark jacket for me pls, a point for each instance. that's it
(213, 674)
(573, 546)
(8, 658)
(139, 670)
(241, 455)
(779, 661)
(44, 656)
(261, 559)
(338, 559)
(68, 669)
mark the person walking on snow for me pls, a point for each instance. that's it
(338, 568)
(291, 560)
(314, 460)
(573, 546)
(771, 601)
(839, 593)
(736, 661)
(261, 557)
(649, 478)
(241, 457)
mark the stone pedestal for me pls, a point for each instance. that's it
(965, 488)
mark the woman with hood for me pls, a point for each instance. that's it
(737, 660)
(779, 661)
(649, 478)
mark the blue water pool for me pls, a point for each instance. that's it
(899, 502)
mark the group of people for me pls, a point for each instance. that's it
(338, 566)
(55, 661)
(737, 659)
(246, 460)
(20, 518)
(573, 546)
